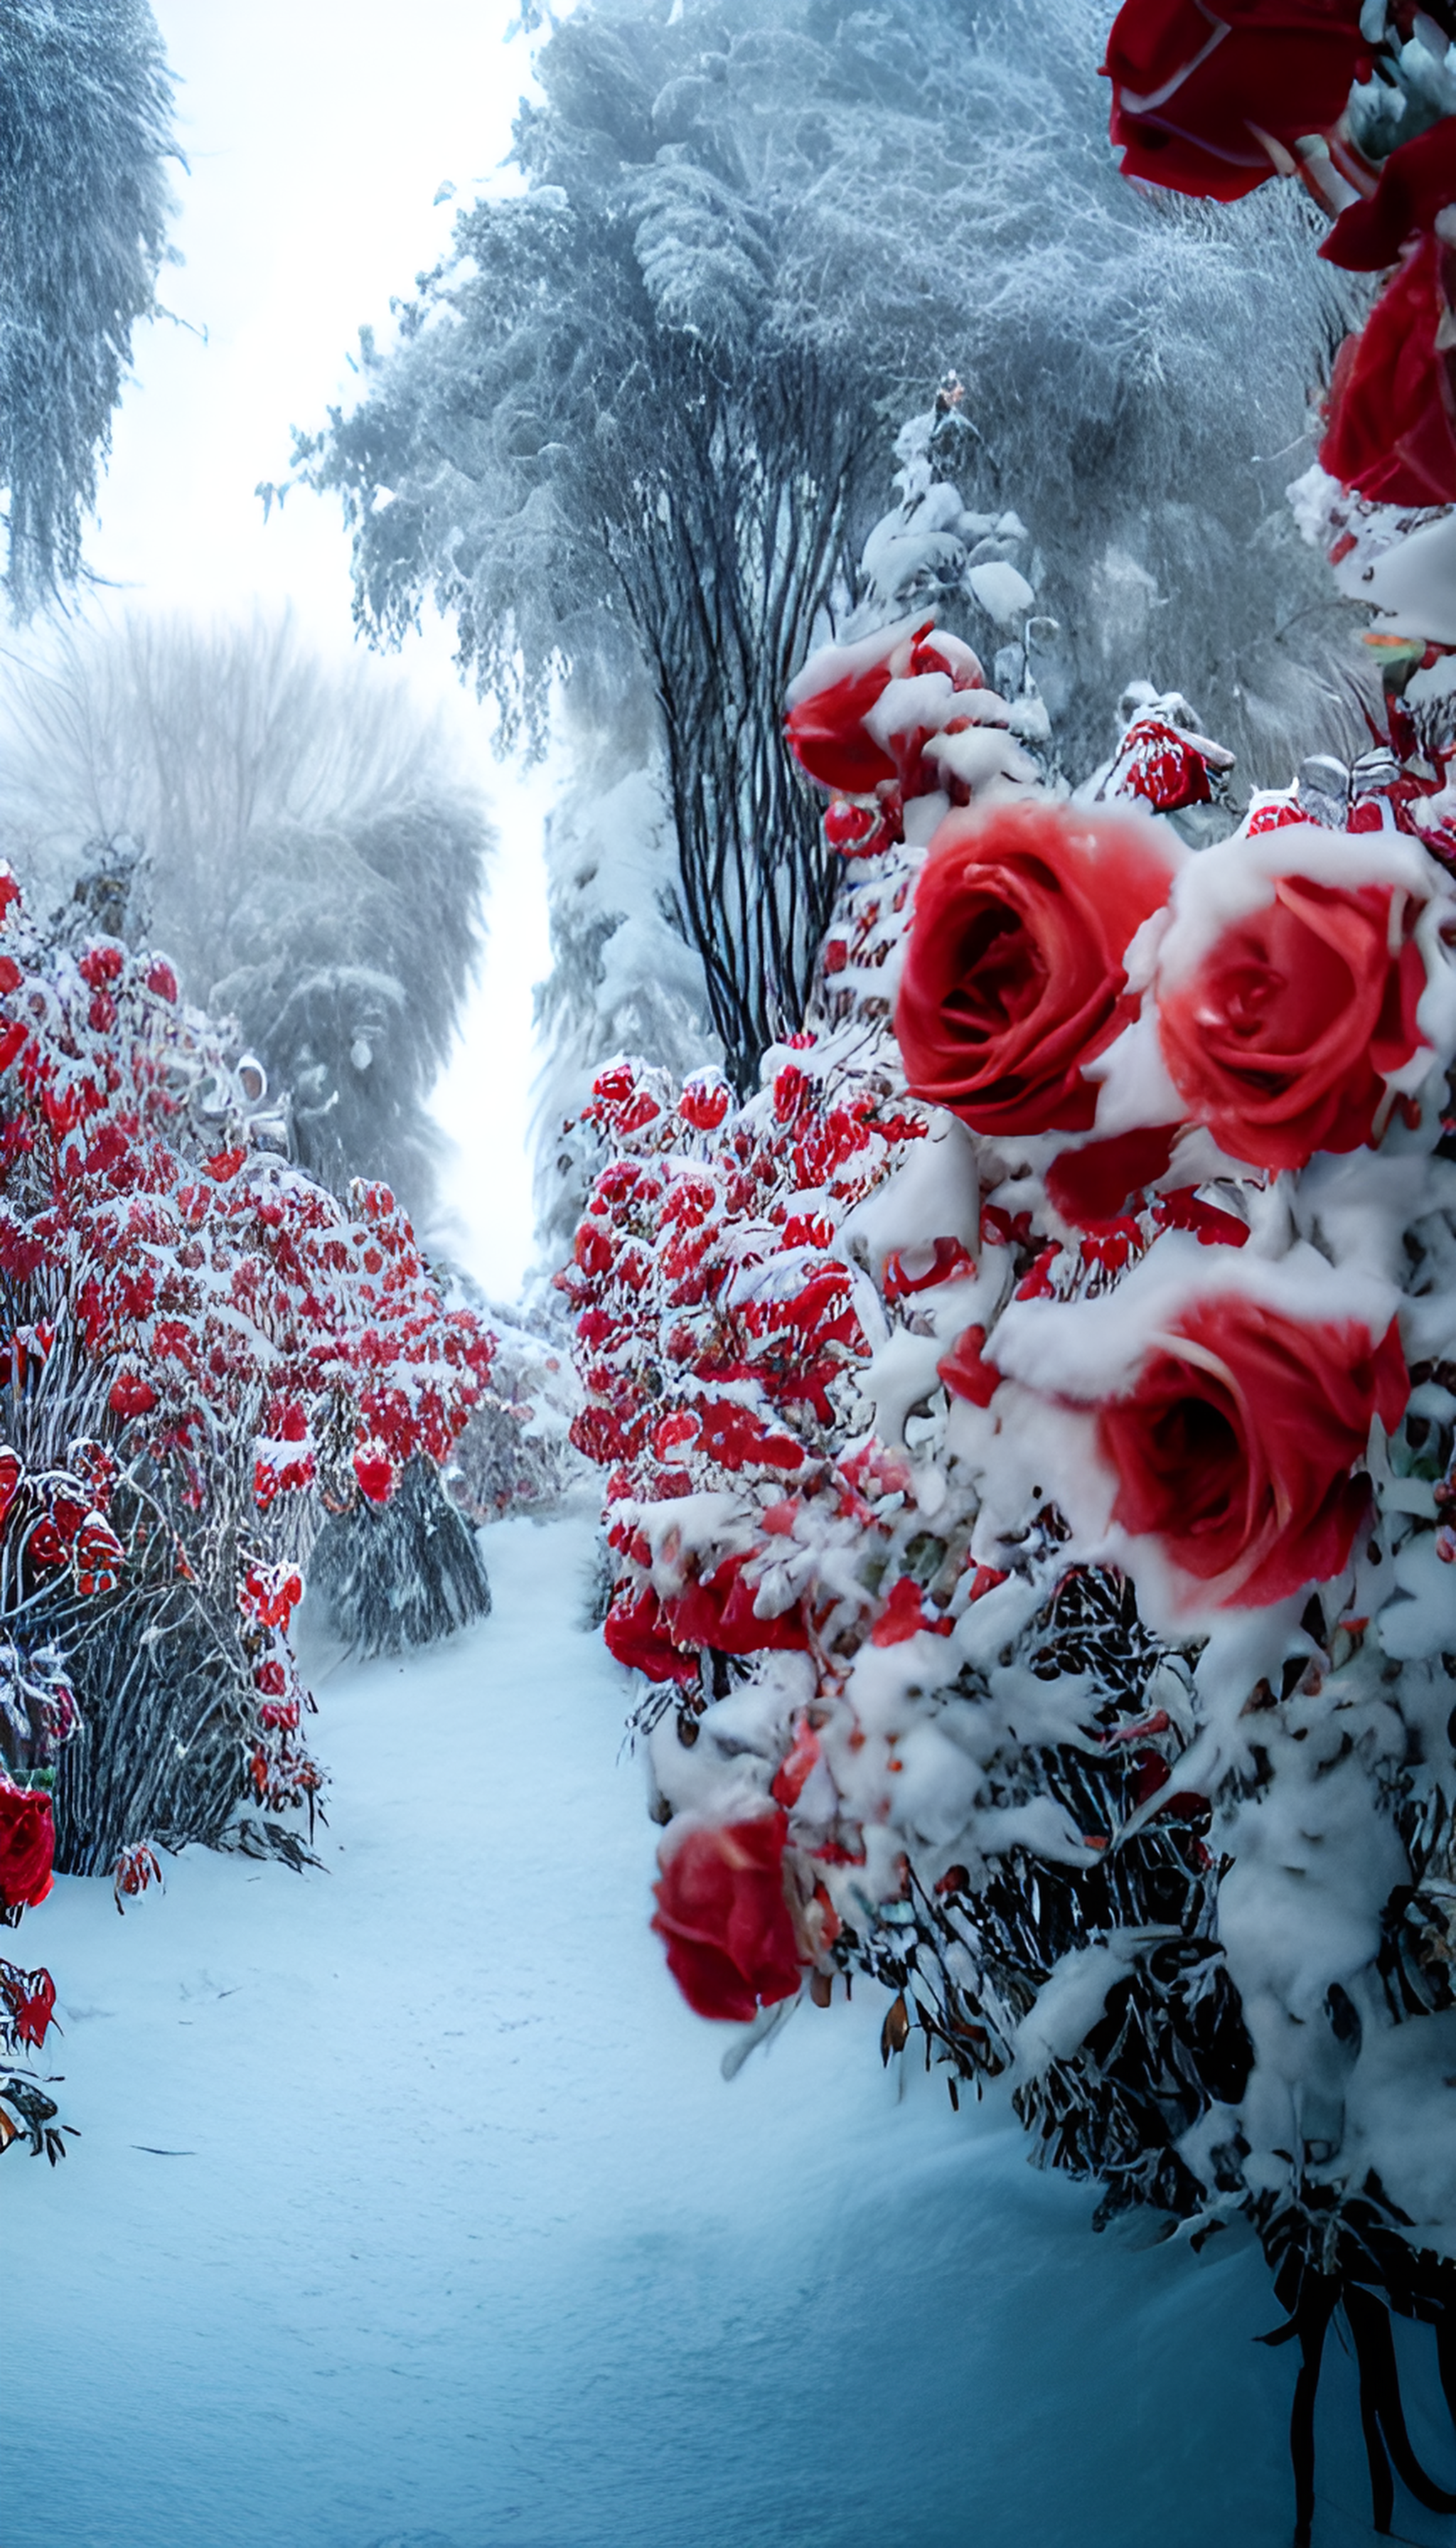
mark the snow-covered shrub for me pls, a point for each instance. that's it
(403, 1575)
(202, 1353)
(516, 1454)
(245, 1351)
(1030, 1425)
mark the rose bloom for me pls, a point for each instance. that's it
(722, 1909)
(841, 685)
(1280, 1036)
(27, 1846)
(1014, 975)
(1194, 90)
(1236, 1445)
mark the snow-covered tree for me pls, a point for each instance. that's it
(638, 421)
(313, 856)
(85, 128)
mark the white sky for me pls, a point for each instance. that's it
(317, 138)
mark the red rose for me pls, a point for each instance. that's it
(1235, 1445)
(27, 1846)
(1392, 398)
(841, 686)
(636, 1633)
(722, 1910)
(1280, 1036)
(1014, 976)
(1194, 92)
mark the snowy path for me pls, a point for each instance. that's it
(411, 2208)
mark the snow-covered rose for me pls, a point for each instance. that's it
(1015, 977)
(724, 1913)
(1288, 987)
(847, 730)
(1238, 1444)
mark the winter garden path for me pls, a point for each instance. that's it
(412, 2208)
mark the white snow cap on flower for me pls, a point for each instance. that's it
(1092, 1351)
(1239, 875)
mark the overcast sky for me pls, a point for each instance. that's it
(317, 138)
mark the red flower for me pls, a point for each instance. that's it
(1393, 398)
(1194, 90)
(1236, 1444)
(1281, 1037)
(131, 1396)
(373, 1471)
(1162, 765)
(27, 1846)
(718, 1612)
(1014, 975)
(846, 828)
(905, 1614)
(1097, 1184)
(840, 688)
(722, 1910)
(636, 1633)
(703, 1104)
(965, 1371)
(99, 1557)
(30, 2000)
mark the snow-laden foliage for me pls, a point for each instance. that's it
(85, 131)
(405, 1575)
(315, 857)
(204, 1354)
(623, 977)
(516, 1454)
(1030, 1513)
(633, 423)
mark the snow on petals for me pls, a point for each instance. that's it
(1288, 987)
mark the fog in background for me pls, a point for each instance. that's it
(317, 138)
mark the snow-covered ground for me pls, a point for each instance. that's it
(412, 2206)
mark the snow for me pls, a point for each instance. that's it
(412, 2209)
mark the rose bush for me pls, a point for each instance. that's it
(722, 1909)
(1239, 1445)
(1015, 978)
(1196, 90)
(1287, 989)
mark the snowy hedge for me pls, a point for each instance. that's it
(1031, 1419)
(202, 1354)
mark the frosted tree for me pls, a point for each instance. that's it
(635, 426)
(85, 127)
(315, 857)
